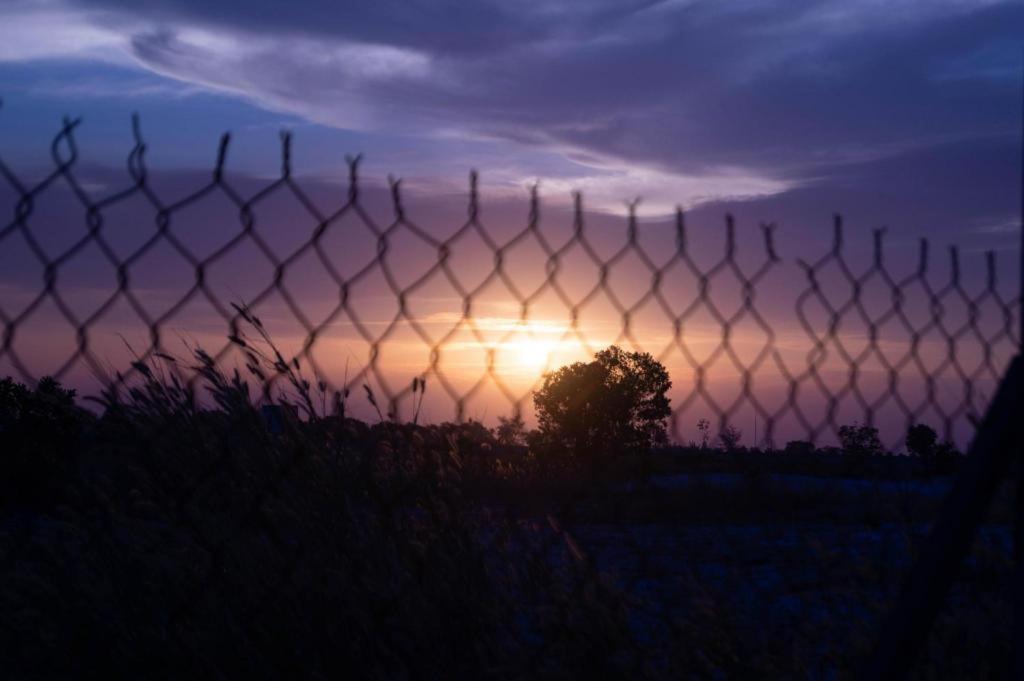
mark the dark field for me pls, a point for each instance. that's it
(162, 540)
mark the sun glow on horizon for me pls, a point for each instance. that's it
(533, 354)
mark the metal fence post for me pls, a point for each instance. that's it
(1018, 520)
(905, 631)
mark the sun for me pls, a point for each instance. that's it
(532, 354)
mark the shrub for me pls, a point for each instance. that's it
(730, 437)
(511, 430)
(921, 440)
(799, 448)
(39, 428)
(860, 440)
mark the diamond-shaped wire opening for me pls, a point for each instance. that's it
(523, 354)
(650, 329)
(241, 274)
(467, 259)
(371, 305)
(45, 341)
(207, 221)
(283, 217)
(21, 273)
(410, 256)
(348, 243)
(462, 362)
(529, 266)
(631, 278)
(598, 322)
(700, 333)
(403, 357)
(160, 278)
(309, 281)
(574, 273)
(58, 219)
(128, 223)
(679, 287)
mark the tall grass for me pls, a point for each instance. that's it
(186, 530)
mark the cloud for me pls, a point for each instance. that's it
(109, 88)
(47, 30)
(1006, 225)
(660, 193)
(339, 78)
(701, 99)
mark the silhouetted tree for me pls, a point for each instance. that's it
(39, 429)
(615, 403)
(511, 430)
(921, 440)
(860, 439)
(730, 437)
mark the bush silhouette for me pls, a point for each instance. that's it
(511, 430)
(38, 429)
(730, 437)
(921, 440)
(614, 404)
(860, 440)
(799, 448)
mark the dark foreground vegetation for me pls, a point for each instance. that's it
(162, 538)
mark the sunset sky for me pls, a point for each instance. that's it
(903, 114)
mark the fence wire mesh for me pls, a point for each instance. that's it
(237, 549)
(862, 325)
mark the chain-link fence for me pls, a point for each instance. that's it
(247, 543)
(853, 341)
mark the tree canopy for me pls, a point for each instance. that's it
(921, 440)
(860, 440)
(617, 402)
